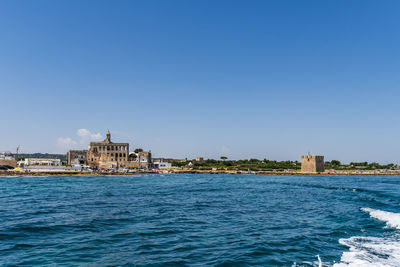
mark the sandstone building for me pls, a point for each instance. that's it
(107, 154)
(140, 159)
(312, 164)
(144, 158)
(77, 157)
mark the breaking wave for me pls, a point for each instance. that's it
(392, 219)
(373, 251)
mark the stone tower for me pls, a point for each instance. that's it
(108, 138)
(312, 164)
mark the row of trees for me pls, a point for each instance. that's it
(265, 164)
(337, 165)
(246, 164)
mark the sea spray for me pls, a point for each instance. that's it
(370, 251)
(373, 251)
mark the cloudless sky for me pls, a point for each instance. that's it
(242, 79)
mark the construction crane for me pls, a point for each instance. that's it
(16, 157)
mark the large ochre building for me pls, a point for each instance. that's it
(107, 154)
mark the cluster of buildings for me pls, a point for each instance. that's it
(110, 155)
(99, 155)
(8, 160)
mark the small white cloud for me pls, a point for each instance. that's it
(66, 142)
(83, 132)
(85, 136)
(97, 136)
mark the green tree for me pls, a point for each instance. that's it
(254, 161)
(137, 150)
(224, 158)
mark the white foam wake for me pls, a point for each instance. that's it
(373, 251)
(370, 251)
(392, 219)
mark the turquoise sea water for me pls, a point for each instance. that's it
(198, 220)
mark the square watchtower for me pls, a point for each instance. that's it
(312, 164)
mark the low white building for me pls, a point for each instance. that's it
(6, 156)
(40, 162)
(162, 165)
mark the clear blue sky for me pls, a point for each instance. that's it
(263, 79)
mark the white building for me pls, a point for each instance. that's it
(6, 156)
(40, 162)
(162, 165)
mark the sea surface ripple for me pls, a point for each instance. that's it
(198, 220)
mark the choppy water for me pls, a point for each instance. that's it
(200, 220)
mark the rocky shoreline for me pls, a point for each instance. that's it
(190, 171)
